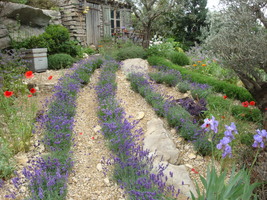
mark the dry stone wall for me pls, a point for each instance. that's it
(74, 19)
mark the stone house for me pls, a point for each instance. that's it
(88, 21)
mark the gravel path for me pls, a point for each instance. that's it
(88, 182)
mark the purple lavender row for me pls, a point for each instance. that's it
(132, 163)
(47, 176)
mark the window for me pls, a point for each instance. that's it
(115, 20)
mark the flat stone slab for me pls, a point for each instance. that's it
(134, 65)
(157, 140)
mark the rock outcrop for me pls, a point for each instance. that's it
(20, 21)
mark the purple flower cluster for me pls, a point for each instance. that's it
(47, 176)
(194, 108)
(132, 163)
(228, 137)
(210, 124)
(260, 138)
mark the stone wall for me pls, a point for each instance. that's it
(73, 18)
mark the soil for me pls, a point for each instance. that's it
(90, 178)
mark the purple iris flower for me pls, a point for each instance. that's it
(229, 130)
(224, 145)
(211, 124)
(260, 138)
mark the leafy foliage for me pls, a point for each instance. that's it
(130, 52)
(60, 61)
(238, 187)
(219, 86)
(178, 58)
(194, 108)
(56, 39)
(247, 114)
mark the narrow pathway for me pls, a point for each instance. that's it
(134, 104)
(87, 181)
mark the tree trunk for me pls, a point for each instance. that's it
(147, 36)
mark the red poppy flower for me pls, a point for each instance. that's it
(252, 103)
(29, 74)
(8, 94)
(33, 90)
(245, 104)
(29, 95)
(225, 97)
(93, 138)
(50, 77)
(193, 170)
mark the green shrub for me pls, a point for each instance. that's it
(199, 93)
(247, 114)
(230, 90)
(60, 61)
(56, 39)
(6, 164)
(203, 146)
(130, 52)
(183, 86)
(161, 77)
(178, 58)
(175, 116)
(188, 130)
(88, 50)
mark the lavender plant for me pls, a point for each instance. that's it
(47, 175)
(132, 163)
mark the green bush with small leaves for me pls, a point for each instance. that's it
(130, 52)
(56, 39)
(203, 146)
(183, 86)
(223, 87)
(60, 61)
(247, 114)
(178, 58)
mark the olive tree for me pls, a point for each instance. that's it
(241, 43)
(147, 12)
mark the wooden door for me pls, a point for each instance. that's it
(93, 24)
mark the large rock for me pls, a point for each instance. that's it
(134, 65)
(3, 31)
(26, 15)
(157, 140)
(179, 177)
(4, 42)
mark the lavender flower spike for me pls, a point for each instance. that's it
(210, 124)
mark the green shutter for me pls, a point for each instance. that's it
(106, 21)
(126, 17)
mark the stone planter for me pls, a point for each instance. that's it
(37, 59)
